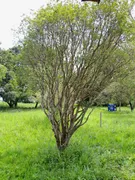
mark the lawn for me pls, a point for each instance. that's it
(28, 150)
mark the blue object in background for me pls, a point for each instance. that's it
(112, 107)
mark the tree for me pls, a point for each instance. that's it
(124, 91)
(72, 50)
(13, 82)
(8, 81)
(121, 91)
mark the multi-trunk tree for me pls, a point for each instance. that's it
(72, 49)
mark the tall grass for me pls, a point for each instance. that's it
(28, 150)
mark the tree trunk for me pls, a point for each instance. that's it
(62, 139)
(15, 104)
(131, 106)
(10, 104)
(120, 106)
(62, 144)
(36, 105)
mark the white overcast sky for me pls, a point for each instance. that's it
(11, 12)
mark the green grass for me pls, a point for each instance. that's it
(28, 150)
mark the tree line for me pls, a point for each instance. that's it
(16, 83)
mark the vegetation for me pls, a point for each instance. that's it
(27, 149)
(72, 55)
(75, 52)
(73, 58)
(16, 82)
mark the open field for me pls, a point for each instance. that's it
(28, 151)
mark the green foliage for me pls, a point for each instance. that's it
(3, 71)
(27, 148)
(14, 77)
(9, 85)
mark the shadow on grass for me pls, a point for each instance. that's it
(25, 107)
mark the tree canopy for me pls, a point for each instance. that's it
(14, 85)
(76, 51)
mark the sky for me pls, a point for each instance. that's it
(11, 14)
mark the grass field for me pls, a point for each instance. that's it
(28, 150)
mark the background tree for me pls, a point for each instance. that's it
(8, 82)
(14, 82)
(122, 90)
(72, 49)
